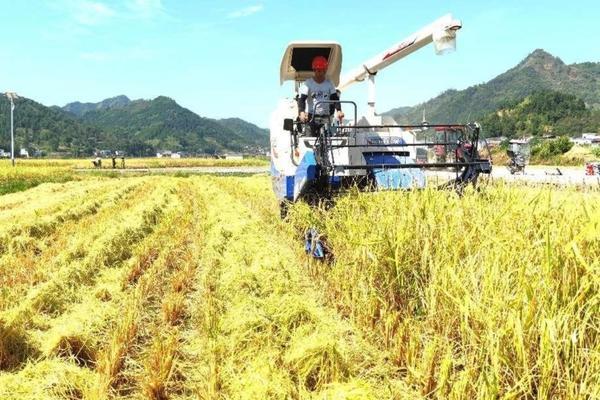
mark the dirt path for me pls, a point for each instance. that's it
(533, 174)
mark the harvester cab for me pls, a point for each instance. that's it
(315, 158)
(518, 153)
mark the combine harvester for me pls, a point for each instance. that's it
(318, 158)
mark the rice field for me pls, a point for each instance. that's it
(163, 287)
(137, 162)
(30, 172)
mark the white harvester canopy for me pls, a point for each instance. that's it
(296, 64)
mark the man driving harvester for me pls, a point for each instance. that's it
(315, 90)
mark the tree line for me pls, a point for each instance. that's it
(543, 112)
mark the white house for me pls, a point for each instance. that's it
(24, 153)
(234, 156)
(587, 139)
(494, 141)
(164, 153)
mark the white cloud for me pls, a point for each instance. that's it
(96, 12)
(146, 8)
(65, 32)
(95, 56)
(245, 12)
(91, 12)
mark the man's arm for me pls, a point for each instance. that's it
(301, 100)
(302, 103)
(336, 106)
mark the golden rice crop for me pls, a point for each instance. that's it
(40, 165)
(187, 288)
(14, 179)
(492, 294)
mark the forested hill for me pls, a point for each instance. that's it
(139, 127)
(245, 129)
(542, 112)
(80, 109)
(163, 124)
(538, 71)
(46, 128)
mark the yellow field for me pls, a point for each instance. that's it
(149, 162)
(193, 288)
(31, 172)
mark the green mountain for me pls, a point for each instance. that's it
(246, 130)
(48, 129)
(538, 71)
(542, 112)
(142, 125)
(79, 109)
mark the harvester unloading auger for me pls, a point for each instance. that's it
(312, 160)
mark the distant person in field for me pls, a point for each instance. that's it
(97, 162)
(316, 89)
(123, 162)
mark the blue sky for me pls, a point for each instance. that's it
(221, 58)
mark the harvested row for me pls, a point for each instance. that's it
(111, 246)
(26, 226)
(71, 342)
(31, 260)
(123, 337)
(14, 201)
(263, 332)
(163, 375)
(492, 294)
(48, 198)
(51, 298)
(140, 357)
(31, 233)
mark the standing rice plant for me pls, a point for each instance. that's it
(506, 279)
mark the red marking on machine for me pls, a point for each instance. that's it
(449, 127)
(401, 47)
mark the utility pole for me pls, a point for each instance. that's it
(12, 96)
